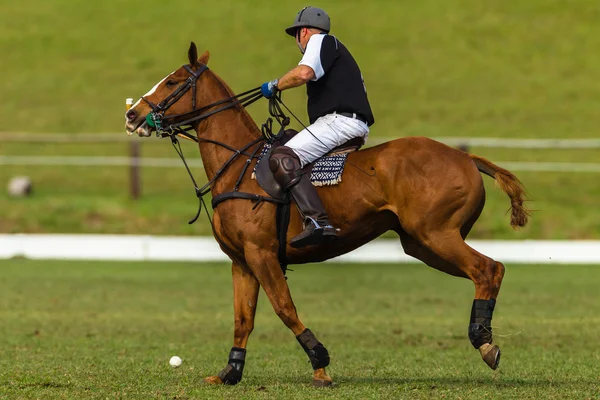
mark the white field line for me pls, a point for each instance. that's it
(95, 160)
(146, 248)
(196, 163)
(452, 141)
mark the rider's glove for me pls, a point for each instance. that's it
(268, 89)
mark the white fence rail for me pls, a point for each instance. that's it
(547, 143)
(147, 248)
(155, 162)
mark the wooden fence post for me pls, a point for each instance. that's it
(135, 184)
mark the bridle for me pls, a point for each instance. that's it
(165, 125)
(155, 118)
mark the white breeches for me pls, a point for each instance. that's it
(326, 133)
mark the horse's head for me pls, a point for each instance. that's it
(174, 94)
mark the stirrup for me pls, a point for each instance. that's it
(327, 228)
(313, 234)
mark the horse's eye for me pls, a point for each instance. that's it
(171, 82)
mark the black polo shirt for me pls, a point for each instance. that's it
(338, 83)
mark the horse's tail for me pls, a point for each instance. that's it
(511, 185)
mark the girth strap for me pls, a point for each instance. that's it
(248, 196)
(282, 218)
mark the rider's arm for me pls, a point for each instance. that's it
(321, 52)
(296, 77)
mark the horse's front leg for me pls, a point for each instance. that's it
(245, 295)
(268, 271)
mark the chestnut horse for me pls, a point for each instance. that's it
(428, 193)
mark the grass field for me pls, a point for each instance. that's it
(508, 69)
(107, 330)
(463, 68)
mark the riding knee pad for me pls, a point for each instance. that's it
(285, 166)
(317, 353)
(480, 328)
(232, 373)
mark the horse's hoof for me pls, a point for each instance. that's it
(213, 380)
(490, 354)
(321, 379)
(320, 383)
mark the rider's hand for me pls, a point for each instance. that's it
(269, 89)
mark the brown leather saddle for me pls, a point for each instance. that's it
(264, 176)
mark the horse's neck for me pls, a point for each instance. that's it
(233, 127)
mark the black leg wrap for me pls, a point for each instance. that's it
(317, 353)
(480, 329)
(232, 373)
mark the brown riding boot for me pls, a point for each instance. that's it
(317, 227)
(285, 165)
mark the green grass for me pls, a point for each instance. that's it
(461, 68)
(508, 69)
(107, 330)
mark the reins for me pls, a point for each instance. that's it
(189, 120)
(156, 119)
(160, 122)
(267, 135)
(252, 95)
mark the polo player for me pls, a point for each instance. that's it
(338, 110)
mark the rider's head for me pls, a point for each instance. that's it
(309, 21)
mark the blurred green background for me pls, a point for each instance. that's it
(500, 68)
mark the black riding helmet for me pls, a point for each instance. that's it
(310, 17)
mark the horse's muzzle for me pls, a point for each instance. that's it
(141, 128)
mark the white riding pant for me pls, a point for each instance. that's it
(325, 134)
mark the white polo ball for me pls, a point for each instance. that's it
(19, 186)
(175, 361)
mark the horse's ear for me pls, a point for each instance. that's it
(204, 57)
(193, 53)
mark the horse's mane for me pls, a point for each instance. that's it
(246, 118)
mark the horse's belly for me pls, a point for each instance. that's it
(350, 237)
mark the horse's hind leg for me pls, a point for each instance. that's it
(449, 253)
(245, 295)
